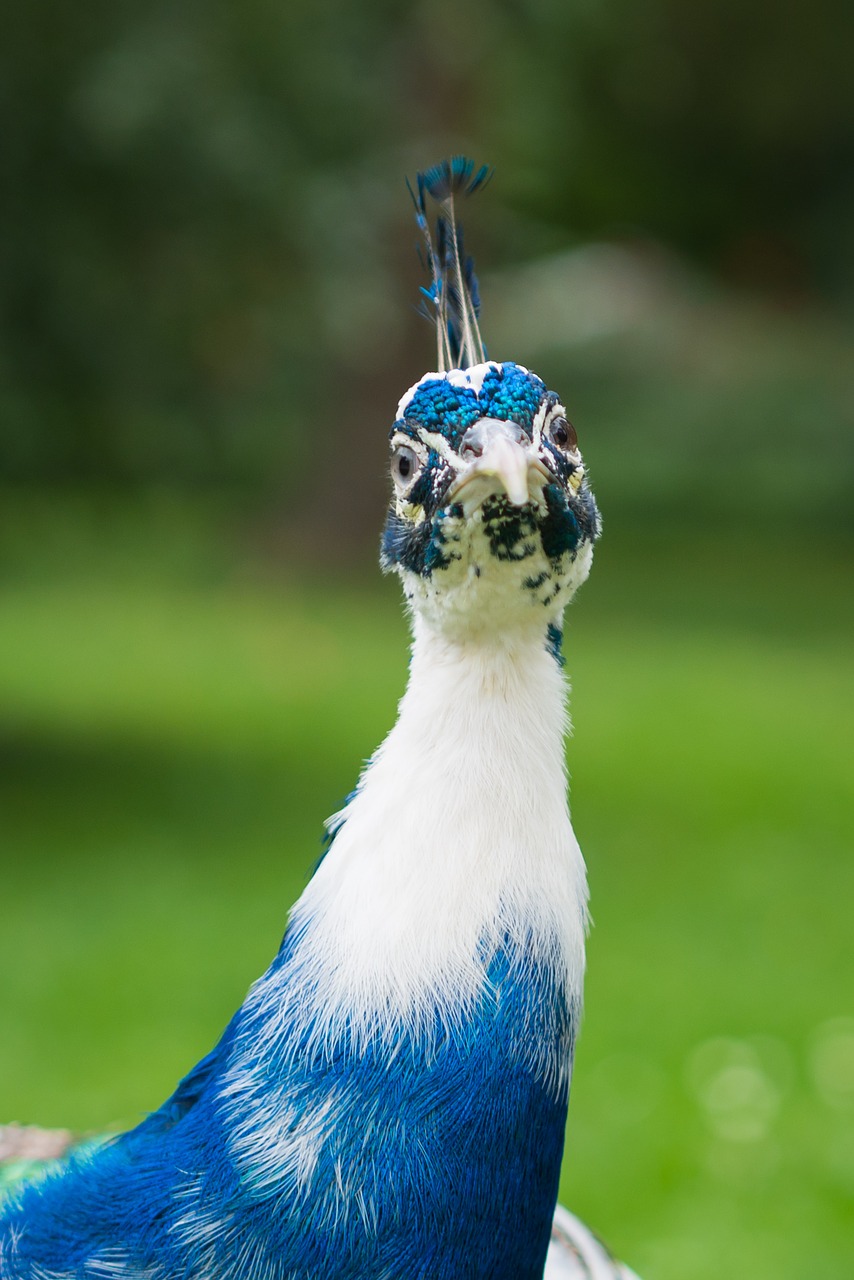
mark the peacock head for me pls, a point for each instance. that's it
(492, 521)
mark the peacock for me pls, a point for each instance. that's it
(390, 1100)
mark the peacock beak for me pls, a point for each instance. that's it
(496, 450)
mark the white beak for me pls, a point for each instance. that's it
(503, 457)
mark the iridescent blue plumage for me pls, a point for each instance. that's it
(507, 391)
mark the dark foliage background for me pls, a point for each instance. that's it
(204, 233)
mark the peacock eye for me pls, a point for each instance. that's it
(563, 434)
(404, 466)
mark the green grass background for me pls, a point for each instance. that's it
(175, 727)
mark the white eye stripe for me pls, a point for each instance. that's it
(427, 441)
(546, 415)
(440, 445)
(539, 422)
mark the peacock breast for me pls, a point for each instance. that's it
(429, 1149)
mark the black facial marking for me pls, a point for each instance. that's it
(557, 460)
(421, 548)
(403, 543)
(511, 530)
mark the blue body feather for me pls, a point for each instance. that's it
(448, 1149)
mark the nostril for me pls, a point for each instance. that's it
(473, 442)
(478, 437)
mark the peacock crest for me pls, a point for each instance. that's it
(451, 300)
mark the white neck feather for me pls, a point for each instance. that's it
(459, 835)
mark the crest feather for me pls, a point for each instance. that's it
(452, 299)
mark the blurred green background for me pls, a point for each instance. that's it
(207, 271)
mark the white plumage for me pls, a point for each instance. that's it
(575, 1253)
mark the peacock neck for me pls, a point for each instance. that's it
(406, 1059)
(457, 839)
